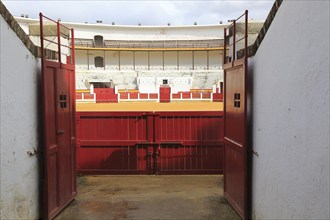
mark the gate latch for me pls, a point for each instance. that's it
(156, 155)
(148, 156)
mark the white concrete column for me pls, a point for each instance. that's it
(91, 88)
(214, 88)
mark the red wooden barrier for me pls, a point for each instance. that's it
(192, 142)
(88, 96)
(153, 96)
(176, 95)
(107, 142)
(148, 143)
(164, 94)
(123, 95)
(217, 97)
(195, 95)
(134, 95)
(143, 96)
(106, 95)
(185, 95)
(79, 95)
(206, 95)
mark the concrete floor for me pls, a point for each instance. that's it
(149, 197)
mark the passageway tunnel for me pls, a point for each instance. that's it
(182, 140)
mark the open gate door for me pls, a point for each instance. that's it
(58, 89)
(235, 116)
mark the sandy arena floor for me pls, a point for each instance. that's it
(151, 106)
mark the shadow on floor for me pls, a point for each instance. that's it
(149, 197)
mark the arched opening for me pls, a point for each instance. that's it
(98, 41)
(99, 62)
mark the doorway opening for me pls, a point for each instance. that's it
(141, 141)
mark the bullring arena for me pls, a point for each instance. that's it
(108, 121)
(151, 106)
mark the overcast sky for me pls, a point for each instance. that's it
(144, 12)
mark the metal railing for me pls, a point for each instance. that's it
(231, 31)
(58, 35)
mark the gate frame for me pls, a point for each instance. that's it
(70, 65)
(229, 65)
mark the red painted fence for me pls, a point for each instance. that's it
(106, 95)
(150, 143)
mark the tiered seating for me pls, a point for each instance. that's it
(182, 82)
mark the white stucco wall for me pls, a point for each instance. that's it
(170, 60)
(291, 115)
(19, 178)
(186, 60)
(114, 32)
(135, 32)
(124, 75)
(127, 79)
(152, 84)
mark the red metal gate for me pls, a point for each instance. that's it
(235, 112)
(110, 142)
(58, 92)
(150, 142)
(189, 142)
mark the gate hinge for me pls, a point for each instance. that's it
(255, 153)
(33, 152)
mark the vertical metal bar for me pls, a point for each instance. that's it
(41, 39)
(177, 60)
(73, 54)
(208, 60)
(59, 41)
(73, 113)
(163, 60)
(224, 47)
(119, 60)
(246, 34)
(148, 60)
(104, 59)
(193, 59)
(234, 40)
(87, 59)
(134, 60)
(224, 98)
